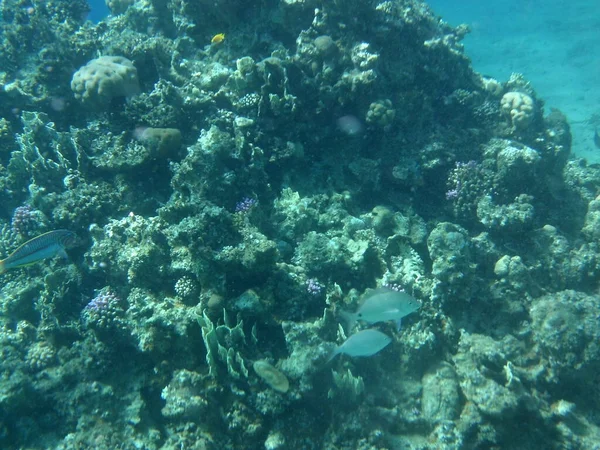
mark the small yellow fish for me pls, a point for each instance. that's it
(217, 38)
(44, 246)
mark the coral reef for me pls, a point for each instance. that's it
(231, 198)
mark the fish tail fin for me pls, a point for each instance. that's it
(2, 267)
(349, 320)
(324, 363)
(398, 324)
(332, 355)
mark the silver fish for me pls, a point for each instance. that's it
(381, 305)
(363, 343)
(44, 246)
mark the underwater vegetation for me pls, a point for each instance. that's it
(245, 178)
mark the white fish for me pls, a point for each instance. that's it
(363, 343)
(380, 305)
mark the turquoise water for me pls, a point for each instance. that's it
(99, 10)
(553, 43)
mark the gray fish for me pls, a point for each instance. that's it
(381, 305)
(596, 138)
(46, 245)
(363, 343)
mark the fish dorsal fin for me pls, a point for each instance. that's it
(370, 292)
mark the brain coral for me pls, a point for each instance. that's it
(103, 79)
(520, 108)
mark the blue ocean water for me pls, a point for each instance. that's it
(99, 10)
(553, 43)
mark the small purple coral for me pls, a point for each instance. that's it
(245, 205)
(313, 287)
(101, 301)
(452, 194)
(105, 315)
(25, 220)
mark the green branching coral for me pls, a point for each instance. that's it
(224, 344)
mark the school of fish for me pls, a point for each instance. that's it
(379, 305)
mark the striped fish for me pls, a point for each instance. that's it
(46, 245)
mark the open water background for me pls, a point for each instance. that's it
(554, 43)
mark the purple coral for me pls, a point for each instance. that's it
(452, 194)
(101, 301)
(313, 287)
(25, 220)
(105, 315)
(245, 205)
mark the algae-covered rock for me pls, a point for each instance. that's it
(566, 331)
(162, 142)
(183, 397)
(517, 163)
(483, 376)
(383, 219)
(131, 248)
(450, 249)
(440, 399)
(151, 145)
(591, 227)
(306, 350)
(563, 263)
(119, 6)
(511, 218)
(514, 272)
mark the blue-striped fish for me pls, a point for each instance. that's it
(46, 245)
